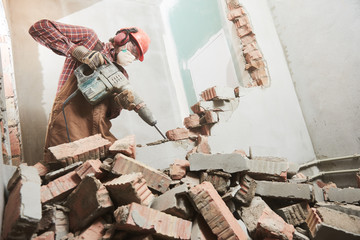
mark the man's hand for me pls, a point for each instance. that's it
(93, 59)
(125, 99)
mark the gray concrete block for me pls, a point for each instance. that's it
(160, 156)
(284, 190)
(174, 202)
(343, 195)
(345, 208)
(228, 162)
(318, 193)
(333, 225)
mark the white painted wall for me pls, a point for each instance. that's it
(321, 43)
(268, 120)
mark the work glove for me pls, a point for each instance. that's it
(93, 59)
(125, 100)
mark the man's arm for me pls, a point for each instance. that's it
(62, 38)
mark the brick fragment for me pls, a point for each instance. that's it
(126, 146)
(41, 168)
(174, 202)
(22, 211)
(218, 92)
(90, 167)
(59, 188)
(252, 65)
(87, 202)
(192, 121)
(178, 169)
(263, 223)
(241, 21)
(268, 170)
(215, 212)
(235, 13)
(135, 187)
(94, 232)
(294, 214)
(135, 217)
(93, 147)
(343, 195)
(155, 179)
(325, 223)
(244, 30)
(230, 162)
(50, 235)
(220, 180)
(248, 39)
(177, 134)
(284, 190)
(247, 190)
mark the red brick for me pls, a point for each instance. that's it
(262, 222)
(252, 65)
(135, 187)
(250, 38)
(178, 169)
(244, 30)
(41, 168)
(14, 141)
(94, 232)
(220, 180)
(59, 188)
(202, 145)
(215, 212)
(247, 191)
(126, 146)
(155, 179)
(45, 236)
(87, 202)
(211, 117)
(241, 21)
(217, 92)
(312, 220)
(177, 134)
(135, 217)
(253, 55)
(90, 167)
(192, 121)
(93, 147)
(235, 13)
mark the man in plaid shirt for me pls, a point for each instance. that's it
(81, 45)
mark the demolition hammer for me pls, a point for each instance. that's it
(103, 82)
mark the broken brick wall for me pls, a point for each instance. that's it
(9, 119)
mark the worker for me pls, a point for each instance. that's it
(81, 45)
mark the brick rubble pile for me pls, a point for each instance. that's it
(98, 190)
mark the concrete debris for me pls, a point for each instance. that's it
(175, 189)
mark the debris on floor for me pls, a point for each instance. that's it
(98, 190)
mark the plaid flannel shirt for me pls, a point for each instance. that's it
(63, 39)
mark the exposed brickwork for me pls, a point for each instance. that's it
(87, 202)
(247, 190)
(312, 220)
(135, 187)
(192, 121)
(217, 92)
(178, 169)
(215, 212)
(59, 188)
(294, 214)
(93, 147)
(90, 167)
(254, 60)
(126, 146)
(154, 178)
(177, 134)
(135, 217)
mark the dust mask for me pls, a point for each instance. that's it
(124, 57)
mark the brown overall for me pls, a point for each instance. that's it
(83, 119)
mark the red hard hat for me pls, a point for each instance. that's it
(137, 34)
